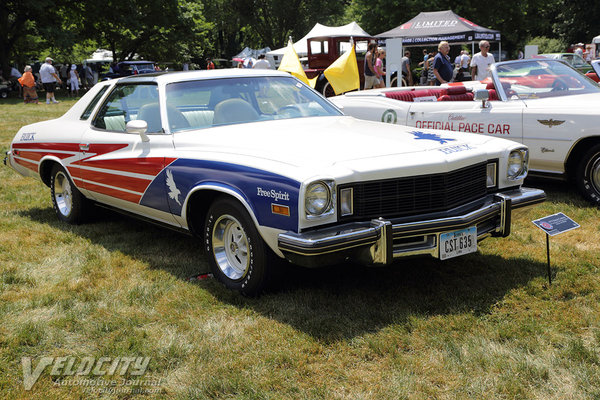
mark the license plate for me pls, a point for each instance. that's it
(458, 243)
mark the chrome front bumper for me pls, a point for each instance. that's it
(380, 241)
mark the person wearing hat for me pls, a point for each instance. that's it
(49, 78)
(579, 49)
(74, 80)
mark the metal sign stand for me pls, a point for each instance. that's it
(548, 254)
(554, 225)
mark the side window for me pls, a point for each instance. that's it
(88, 110)
(129, 102)
(315, 47)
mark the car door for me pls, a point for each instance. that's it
(123, 169)
(498, 118)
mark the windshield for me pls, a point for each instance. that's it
(227, 101)
(534, 79)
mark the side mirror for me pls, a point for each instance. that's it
(138, 126)
(481, 95)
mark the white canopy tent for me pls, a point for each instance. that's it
(301, 46)
(596, 39)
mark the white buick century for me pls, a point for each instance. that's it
(262, 167)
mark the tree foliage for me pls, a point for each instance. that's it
(184, 30)
(548, 45)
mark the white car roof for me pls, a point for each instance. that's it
(180, 76)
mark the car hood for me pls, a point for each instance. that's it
(325, 144)
(579, 103)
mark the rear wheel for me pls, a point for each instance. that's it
(69, 204)
(237, 255)
(588, 175)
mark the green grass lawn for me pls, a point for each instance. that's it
(483, 326)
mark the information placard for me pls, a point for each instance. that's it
(555, 224)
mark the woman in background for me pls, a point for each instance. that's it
(74, 80)
(28, 83)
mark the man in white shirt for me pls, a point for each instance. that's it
(49, 78)
(262, 63)
(464, 61)
(480, 63)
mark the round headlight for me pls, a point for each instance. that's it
(317, 198)
(516, 164)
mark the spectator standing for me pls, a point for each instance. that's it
(442, 68)
(463, 65)
(64, 75)
(480, 64)
(371, 80)
(88, 75)
(457, 59)
(49, 78)
(579, 49)
(209, 64)
(429, 67)
(406, 72)
(28, 82)
(262, 63)
(379, 71)
(74, 80)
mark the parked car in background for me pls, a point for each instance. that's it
(126, 68)
(574, 60)
(595, 73)
(543, 103)
(261, 167)
(324, 50)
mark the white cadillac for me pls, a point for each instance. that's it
(544, 104)
(262, 167)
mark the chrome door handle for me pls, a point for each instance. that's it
(84, 146)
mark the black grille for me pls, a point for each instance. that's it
(417, 195)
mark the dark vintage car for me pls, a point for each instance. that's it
(126, 68)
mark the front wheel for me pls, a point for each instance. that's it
(327, 90)
(237, 255)
(588, 175)
(69, 204)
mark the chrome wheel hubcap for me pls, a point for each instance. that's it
(63, 194)
(230, 247)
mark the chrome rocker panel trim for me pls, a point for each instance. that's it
(380, 241)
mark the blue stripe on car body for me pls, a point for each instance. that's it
(258, 187)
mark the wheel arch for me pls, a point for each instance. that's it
(201, 197)
(45, 169)
(576, 152)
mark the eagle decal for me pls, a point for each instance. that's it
(431, 136)
(550, 122)
(173, 191)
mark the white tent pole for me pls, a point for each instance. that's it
(499, 51)
(472, 49)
